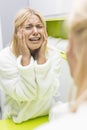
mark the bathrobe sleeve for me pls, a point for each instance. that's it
(16, 80)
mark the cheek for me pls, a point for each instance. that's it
(27, 32)
(42, 32)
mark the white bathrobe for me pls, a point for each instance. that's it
(29, 90)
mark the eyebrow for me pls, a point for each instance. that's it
(38, 24)
(28, 24)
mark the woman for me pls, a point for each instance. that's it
(29, 69)
(73, 116)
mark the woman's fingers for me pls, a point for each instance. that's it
(22, 42)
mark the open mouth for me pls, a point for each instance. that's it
(35, 38)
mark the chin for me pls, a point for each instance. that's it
(34, 48)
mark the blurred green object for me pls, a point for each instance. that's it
(63, 55)
(27, 125)
(57, 28)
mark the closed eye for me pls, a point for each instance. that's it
(38, 26)
(29, 27)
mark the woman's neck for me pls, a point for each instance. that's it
(34, 54)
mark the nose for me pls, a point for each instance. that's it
(35, 30)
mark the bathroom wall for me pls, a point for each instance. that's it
(8, 9)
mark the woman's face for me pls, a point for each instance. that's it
(34, 32)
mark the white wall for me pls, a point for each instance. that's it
(1, 42)
(0, 49)
(47, 7)
(8, 9)
(52, 8)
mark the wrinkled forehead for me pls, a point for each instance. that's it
(33, 19)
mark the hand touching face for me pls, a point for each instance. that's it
(22, 43)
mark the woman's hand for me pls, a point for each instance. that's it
(41, 57)
(22, 43)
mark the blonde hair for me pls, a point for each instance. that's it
(19, 20)
(77, 23)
